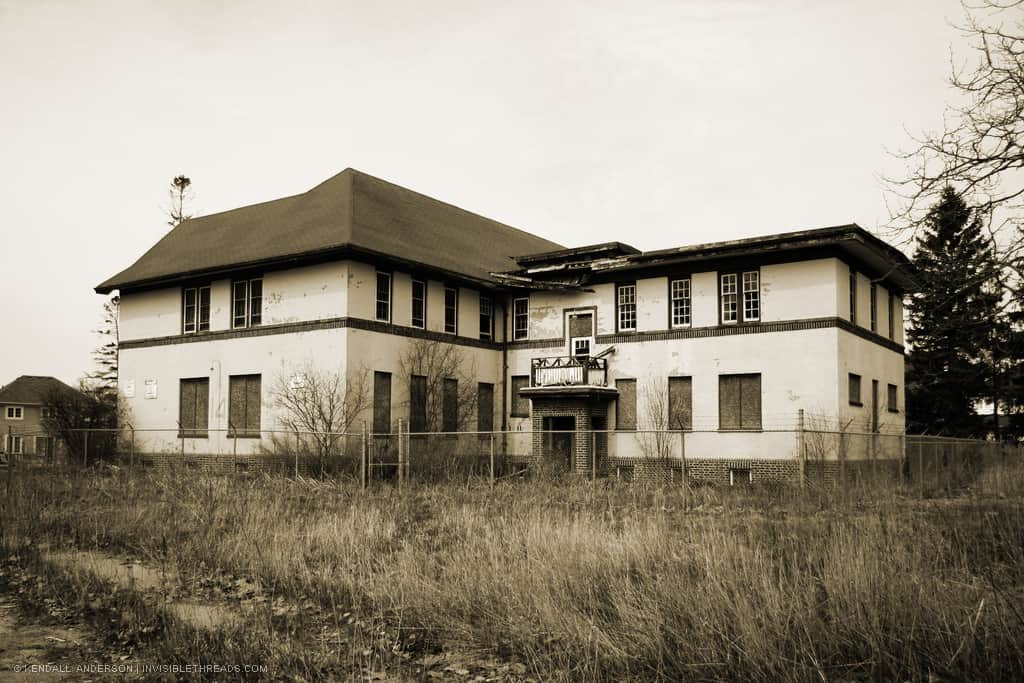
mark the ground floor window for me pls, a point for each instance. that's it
(739, 401)
(194, 408)
(244, 405)
(382, 403)
(14, 444)
(44, 446)
(625, 405)
(739, 476)
(520, 404)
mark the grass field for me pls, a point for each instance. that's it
(544, 579)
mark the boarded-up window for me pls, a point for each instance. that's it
(484, 407)
(418, 403)
(244, 405)
(450, 405)
(680, 403)
(381, 402)
(739, 401)
(194, 407)
(520, 404)
(893, 408)
(581, 325)
(625, 406)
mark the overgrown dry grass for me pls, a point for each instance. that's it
(590, 582)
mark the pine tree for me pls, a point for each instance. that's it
(957, 332)
(104, 378)
(180, 194)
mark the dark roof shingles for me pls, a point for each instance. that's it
(31, 390)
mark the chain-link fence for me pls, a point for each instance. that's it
(818, 459)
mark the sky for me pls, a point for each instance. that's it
(654, 123)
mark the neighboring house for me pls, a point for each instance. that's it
(23, 407)
(728, 340)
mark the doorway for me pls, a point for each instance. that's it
(560, 439)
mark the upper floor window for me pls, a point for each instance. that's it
(195, 309)
(451, 310)
(486, 317)
(680, 302)
(874, 307)
(45, 412)
(730, 290)
(853, 296)
(521, 319)
(247, 302)
(892, 316)
(15, 413)
(419, 303)
(382, 311)
(625, 307)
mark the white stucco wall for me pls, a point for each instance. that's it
(791, 291)
(156, 313)
(308, 293)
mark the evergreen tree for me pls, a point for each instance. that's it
(104, 378)
(958, 334)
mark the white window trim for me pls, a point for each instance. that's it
(672, 300)
(487, 335)
(412, 318)
(756, 290)
(734, 293)
(619, 307)
(455, 326)
(377, 300)
(11, 410)
(516, 335)
(247, 322)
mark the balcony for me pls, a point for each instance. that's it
(567, 371)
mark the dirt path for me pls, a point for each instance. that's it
(24, 643)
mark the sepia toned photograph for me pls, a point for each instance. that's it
(673, 340)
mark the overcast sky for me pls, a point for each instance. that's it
(654, 123)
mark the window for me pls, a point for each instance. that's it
(486, 317)
(679, 293)
(625, 307)
(382, 403)
(195, 309)
(751, 296)
(853, 296)
(419, 304)
(892, 316)
(854, 382)
(739, 476)
(45, 412)
(484, 407)
(44, 446)
(418, 403)
(15, 413)
(14, 444)
(520, 404)
(244, 405)
(581, 334)
(728, 296)
(891, 399)
(581, 347)
(739, 401)
(625, 405)
(193, 408)
(382, 311)
(451, 310)
(450, 405)
(247, 302)
(680, 403)
(521, 319)
(874, 307)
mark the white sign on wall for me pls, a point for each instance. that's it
(129, 388)
(151, 388)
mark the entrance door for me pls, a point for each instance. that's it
(560, 439)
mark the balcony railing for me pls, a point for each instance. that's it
(568, 371)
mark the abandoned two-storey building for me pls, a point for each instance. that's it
(723, 341)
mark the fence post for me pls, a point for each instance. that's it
(297, 454)
(593, 454)
(492, 458)
(131, 449)
(800, 446)
(401, 456)
(842, 460)
(85, 449)
(682, 458)
(362, 458)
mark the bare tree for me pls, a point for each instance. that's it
(437, 363)
(980, 151)
(654, 435)
(181, 196)
(326, 404)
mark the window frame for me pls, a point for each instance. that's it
(740, 293)
(248, 298)
(194, 432)
(389, 292)
(454, 327)
(45, 412)
(857, 401)
(487, 334)
(450, 405)
(15, 440)
(245, 433)
(873, 299)
(197, 322)
(15, 413)
(525, 330)
(423, 301)
(722, 294)
(892, 316)
(621, 307)
(892, 398)
(618, 402)
(512, 395)
(740, 377)
(687, 380)
(853, 295)
(685, 302)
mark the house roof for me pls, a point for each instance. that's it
(352, 212)
(32, 390)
